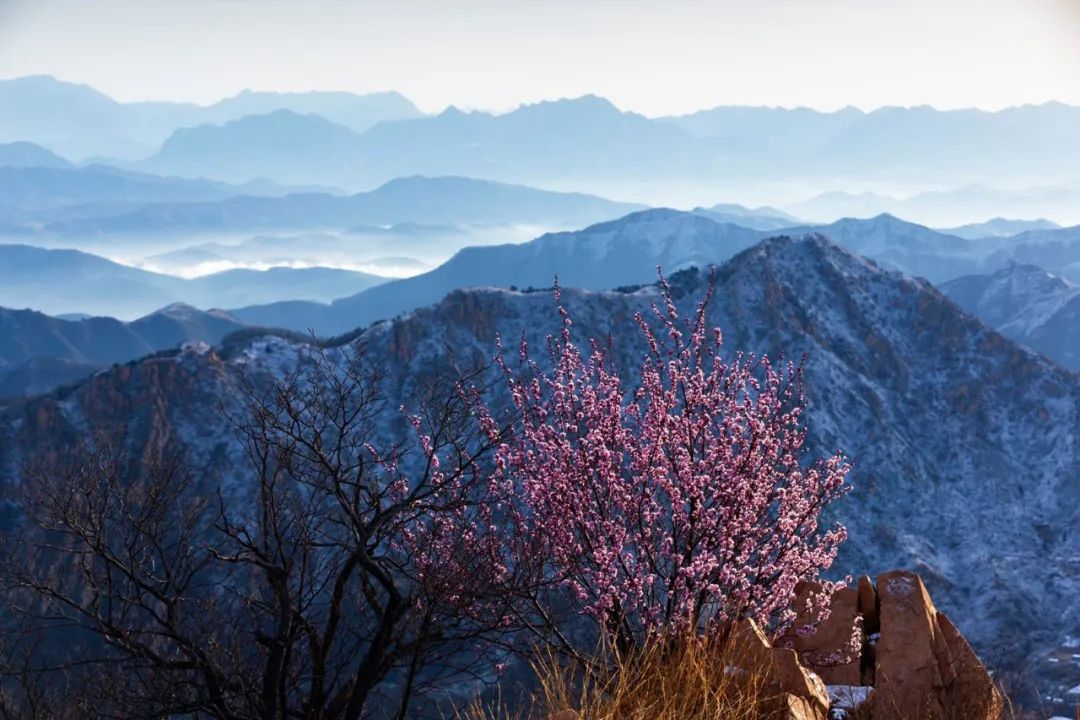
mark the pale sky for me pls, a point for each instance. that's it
(651, 56)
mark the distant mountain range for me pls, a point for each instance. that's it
(946, 207)
(627, 251)
(937, 410)
(282, 145)
(1027, 304)
(39, 352)
(608, 254)
(589, 139)
(66, 192)
(438, 200)
(81, 123)
(918, 138)
(760, 218)
(586, 137)
(27, 154)
(1000, 227)
(620, 252)
(359, 141)
(66, 281)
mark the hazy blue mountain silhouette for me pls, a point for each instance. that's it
(282, 145)
(356, 112)
(79, 122)
(425, 200)
(1000, 227)
(26, 154)
(586, 137)
(66, 281)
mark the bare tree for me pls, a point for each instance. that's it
(340, 576)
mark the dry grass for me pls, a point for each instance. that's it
(694, 679)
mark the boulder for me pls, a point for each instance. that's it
(827, 651)
(923, 666)
(792, 707)
(785, 676)
(970, 686)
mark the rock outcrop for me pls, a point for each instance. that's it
(801, 694)
(914, 658)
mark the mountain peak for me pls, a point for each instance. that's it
(583, 105)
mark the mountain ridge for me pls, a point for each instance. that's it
(937, 409)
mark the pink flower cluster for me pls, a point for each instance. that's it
(682, 500)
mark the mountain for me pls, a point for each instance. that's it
(282, 145)
(62, 281)
(98, 189)
(585, 137)
(909, 141)
(945, 207)
(37, 196)
(756, 136)
(1027, 304)
(902, 245)
(356, 112)
(620, 252)
(937, 410)
(39, 352)
(1028, 138)
(25, 154)
(59, 281)
(438, 200)
(565, 139)
(1000, 227)
(358, 141)
(760, 218)
(626, 251)
(80, 122)
(236, 287)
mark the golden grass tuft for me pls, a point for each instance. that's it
(691, 679)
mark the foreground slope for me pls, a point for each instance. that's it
(967, 461)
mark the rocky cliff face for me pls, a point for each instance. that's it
(967, 459)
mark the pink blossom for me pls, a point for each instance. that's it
(680, 500)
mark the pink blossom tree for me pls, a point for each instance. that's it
(680, 500)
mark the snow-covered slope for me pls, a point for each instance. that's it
(1027, 304)
(966, 444)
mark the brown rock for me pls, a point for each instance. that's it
(750, 648)
(908, 677)
(792, 707)
(826, 652)
(924, 667)
(971, 687)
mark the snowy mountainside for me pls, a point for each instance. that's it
(1027, 304)
(965, 444)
